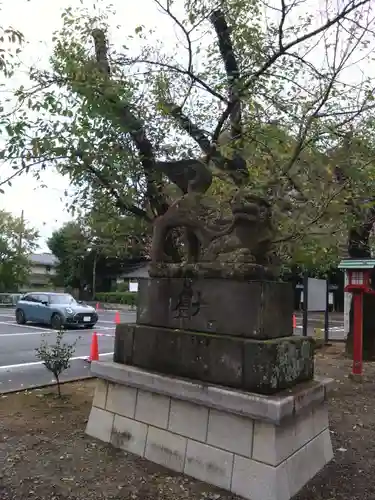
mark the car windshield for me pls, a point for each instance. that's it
(62, 298)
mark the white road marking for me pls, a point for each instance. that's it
(34, 363)
(103, 321)
(8, 323)
(47, 329)
(45, 332)
(331, 328)
(18, 334)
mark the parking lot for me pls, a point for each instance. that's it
(19, 367)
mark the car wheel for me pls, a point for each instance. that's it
(57, 321)
(20, 317)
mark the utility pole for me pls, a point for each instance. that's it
(20, 236)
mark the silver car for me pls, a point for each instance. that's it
(56, 309)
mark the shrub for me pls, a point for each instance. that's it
(56, 357)
(122, 287)
(127, 298)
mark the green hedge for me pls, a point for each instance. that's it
(128, 298)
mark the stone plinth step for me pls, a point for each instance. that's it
(259, 447)
(256, 365)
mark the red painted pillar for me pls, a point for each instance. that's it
(357, 333)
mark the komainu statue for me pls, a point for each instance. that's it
(230, 239)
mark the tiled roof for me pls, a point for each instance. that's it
(43, 259)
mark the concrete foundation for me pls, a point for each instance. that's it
(258, 447)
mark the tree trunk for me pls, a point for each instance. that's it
(58, 386)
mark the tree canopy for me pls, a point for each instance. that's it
(264, 96)
(94, 248)
(17, 241)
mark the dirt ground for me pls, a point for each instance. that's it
(45, 455)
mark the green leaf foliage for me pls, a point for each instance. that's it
(106, 116)
(93, 248)
(17, 241)
(56, 357)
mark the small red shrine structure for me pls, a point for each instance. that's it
(359, 273)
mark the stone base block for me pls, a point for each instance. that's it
(258, 447)
(254, 309)
(262, 366)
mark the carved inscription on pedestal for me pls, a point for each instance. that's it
(188, 302)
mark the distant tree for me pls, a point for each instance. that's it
(17, 241)
(94, 247)
(69, 245)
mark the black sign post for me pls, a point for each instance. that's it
(326, 316)
(305, 303)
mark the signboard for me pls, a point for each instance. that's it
(330, 298)
(317, 292)
(133, 286)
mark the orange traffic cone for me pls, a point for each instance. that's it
(117, 318)
(294, 321)
(94, 350)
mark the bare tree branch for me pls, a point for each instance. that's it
(135, 128)
(189, 70)
(232, 70)
(350, 7)
(236, 167)
(121, 203)
(176, 69)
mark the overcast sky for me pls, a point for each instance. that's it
(44, 207)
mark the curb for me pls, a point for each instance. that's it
(50, 384)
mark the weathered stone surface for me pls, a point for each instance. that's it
(165, 448)
(100, 424)
(100, 396)
(209, 464)
(262, 366)
(188, 419)
(273, 462)
(153, 409)
(274, 409)
(253, 309)
(258, 481)
(121, 400)
(129, 435)
(230, 432)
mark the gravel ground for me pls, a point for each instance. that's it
(47, 456)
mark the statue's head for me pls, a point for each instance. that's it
(246, 205)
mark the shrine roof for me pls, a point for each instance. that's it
(357, 264)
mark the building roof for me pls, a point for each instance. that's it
(44, 259)
(140, 270)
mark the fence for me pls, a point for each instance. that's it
(9, 299)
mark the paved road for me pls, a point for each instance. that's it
(19, 367)
(316, 320)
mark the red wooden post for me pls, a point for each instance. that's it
(357, 333)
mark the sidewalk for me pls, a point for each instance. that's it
(106, 306)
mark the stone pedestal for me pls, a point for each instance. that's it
(251, 309)
(257, 365)
(259, 447)
(234, 333)
(212, 383)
